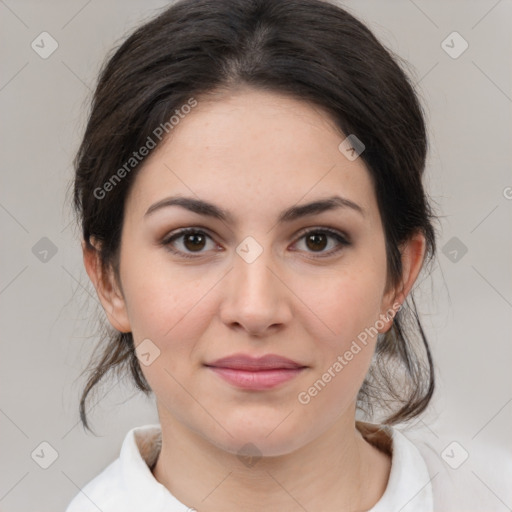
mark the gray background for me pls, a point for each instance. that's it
(48, 305)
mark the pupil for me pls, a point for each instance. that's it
(315, 239)
(196, 241)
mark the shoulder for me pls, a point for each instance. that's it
(432, 471)
(102, 492)
(461, 471)
(127, 483)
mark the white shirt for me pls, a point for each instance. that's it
(417, 482)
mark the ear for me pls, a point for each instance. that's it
(107, 288)
(412, 255)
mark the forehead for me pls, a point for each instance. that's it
(256, 151)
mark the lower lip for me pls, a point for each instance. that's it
(257, 380)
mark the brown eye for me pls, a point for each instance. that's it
(317, 240)
(194, 241)
(187, 242)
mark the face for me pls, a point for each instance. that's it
(296, 290)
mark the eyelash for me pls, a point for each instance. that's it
(340, 238)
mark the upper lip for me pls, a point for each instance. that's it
(249, 363)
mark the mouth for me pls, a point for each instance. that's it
(260, 373)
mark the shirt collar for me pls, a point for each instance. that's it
(408, 489)
(409, 486)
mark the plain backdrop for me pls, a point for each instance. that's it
(48, 306)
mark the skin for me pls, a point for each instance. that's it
(254, 154)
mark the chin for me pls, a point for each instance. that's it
(266, 436)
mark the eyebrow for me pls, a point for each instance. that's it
(290, 214)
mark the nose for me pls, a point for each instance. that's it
(256, 298)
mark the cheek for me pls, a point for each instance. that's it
(166, 304)
(347, 302)
(349, 307)
(169, 311)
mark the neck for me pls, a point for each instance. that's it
(327, 474)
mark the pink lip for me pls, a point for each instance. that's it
(256, 373)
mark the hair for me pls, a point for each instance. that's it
(310, 50)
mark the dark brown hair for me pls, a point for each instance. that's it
(313, 51)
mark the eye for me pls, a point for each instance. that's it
(316, 240)
(194, 241)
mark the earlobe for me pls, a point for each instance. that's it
(107, 289)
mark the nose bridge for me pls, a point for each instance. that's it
(253, 279)
(257, 298)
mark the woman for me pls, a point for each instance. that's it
(249, 188)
